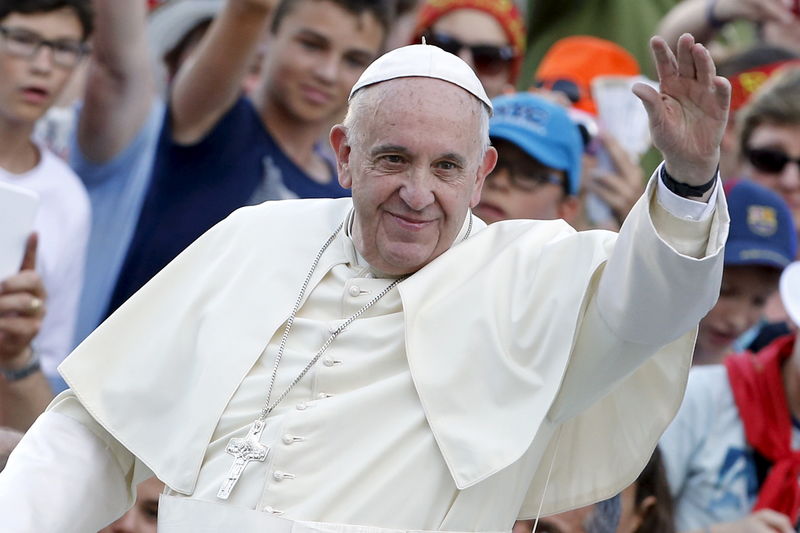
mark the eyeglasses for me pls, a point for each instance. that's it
(769, 159)
(67, 53)
(488, 59)
(528, 179)
(569, 88)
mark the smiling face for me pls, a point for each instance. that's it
(744, 293)
(29, 86)
(315, 56)
(415, 160)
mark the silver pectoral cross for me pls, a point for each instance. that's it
(243, 451)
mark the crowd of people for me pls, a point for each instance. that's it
(143, 125)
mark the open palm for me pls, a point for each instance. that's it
(688, 114)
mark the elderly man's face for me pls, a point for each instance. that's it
(415, 164)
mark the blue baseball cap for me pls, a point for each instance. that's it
(543, 130)
(762, 230)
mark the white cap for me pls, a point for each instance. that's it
(423, 61)
(173, 20)
(790, 291)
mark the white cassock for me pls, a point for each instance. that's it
(526, 351)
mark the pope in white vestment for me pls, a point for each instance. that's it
(526, 370)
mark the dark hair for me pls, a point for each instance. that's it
(658, 518)
(382, 10)
(81, 8)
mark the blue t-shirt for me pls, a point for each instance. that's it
(194, 187)
(116, 191)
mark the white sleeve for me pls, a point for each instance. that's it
(63, 477)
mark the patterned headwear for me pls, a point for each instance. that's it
(504, 11)
(744, 84)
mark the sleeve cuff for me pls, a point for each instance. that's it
(684, 208)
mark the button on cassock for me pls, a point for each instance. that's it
(355, 290)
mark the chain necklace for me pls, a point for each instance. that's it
(247, 449)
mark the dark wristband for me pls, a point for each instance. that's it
(685, 190)
(15, 375)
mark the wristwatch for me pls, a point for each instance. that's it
(21, 373)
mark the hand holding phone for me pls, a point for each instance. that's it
(17, 214)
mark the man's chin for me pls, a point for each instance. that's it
(404, 258)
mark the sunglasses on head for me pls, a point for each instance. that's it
(488, 59)
(769, 159)
(569, 88)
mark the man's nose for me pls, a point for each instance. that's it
(790, 176)
(327, 68)
(417, 193)
(42, 60)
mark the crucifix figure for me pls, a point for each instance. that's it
(243, 451)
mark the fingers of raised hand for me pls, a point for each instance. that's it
(666, 63)
(686, 59)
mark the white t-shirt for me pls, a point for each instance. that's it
(710, 466)
(62, 223)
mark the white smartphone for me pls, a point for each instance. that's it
(17, 214)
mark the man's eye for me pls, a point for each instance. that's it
(67, 47)
(393, 159)
(311, 45)
(446, 165)
(27, 39)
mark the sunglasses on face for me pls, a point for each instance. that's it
(528, 179)
(488, 59)
(769, 159)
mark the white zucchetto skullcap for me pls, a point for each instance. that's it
(422, 61)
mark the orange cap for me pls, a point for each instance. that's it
(580, 59)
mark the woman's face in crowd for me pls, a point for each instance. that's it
(472, 27)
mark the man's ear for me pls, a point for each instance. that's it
(486, 167)
(341, 147)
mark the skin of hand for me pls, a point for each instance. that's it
(20, 318)
(620, 189)
(754, 10)
(763, 521)
(688, 115)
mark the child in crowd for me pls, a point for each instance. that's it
(41, 44)
(728, 451)
(761, 242)
(538, 168)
